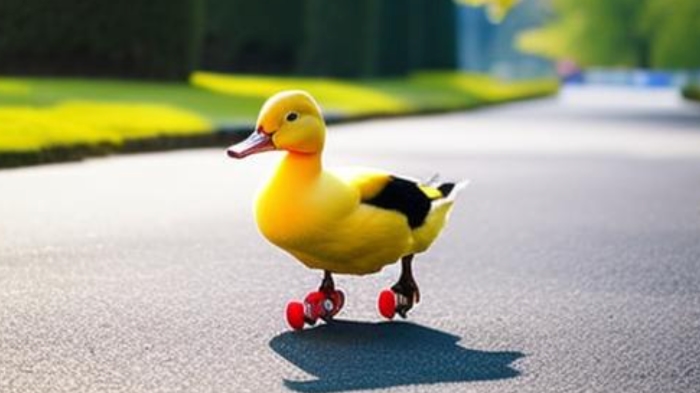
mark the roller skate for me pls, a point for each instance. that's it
(323, 304)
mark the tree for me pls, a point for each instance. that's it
(593, 32)
(674, 30)
(633, 33)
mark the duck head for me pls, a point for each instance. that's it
(289, 120)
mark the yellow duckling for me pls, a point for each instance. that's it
(347, 221)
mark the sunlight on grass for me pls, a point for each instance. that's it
(485, 87)
(333, 95)
(26, 128)
(40, 113)
(14, 88)
(218, 108)
(419, 92)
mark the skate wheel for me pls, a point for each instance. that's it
(332, 304)
(338, 299)
(295, 315)
(314, 303)
(387, 304)
(315, 298)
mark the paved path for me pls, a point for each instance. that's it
(572, 263)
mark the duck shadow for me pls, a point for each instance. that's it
(346, 355)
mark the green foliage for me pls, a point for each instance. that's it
(691, 92)
(433, 34)
(634, 33)
(674, 30)
(253, 36)
(152, 39)
(369, 38)
(336, 38)
(594, 32)
(389, 38)
(167, 38)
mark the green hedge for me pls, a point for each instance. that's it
(258, 36)
(368, 38)
(335, 40)
(163, 38)
(433, 34)
(128, 38)
(390, 40)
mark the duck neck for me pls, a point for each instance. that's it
(301, 166)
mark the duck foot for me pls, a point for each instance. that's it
(403, 295)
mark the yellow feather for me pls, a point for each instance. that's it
(431, 192)
(368, 182)
(426, 234)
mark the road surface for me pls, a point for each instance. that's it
(571, 263)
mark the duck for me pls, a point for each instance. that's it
(352, 221)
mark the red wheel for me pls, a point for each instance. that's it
(314, 301)
(295, 315)
(338, 299)
(387, 304)
(332, 305)
(314, 298)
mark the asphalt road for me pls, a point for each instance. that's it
(571, 263)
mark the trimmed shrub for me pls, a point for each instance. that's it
(433, 34)
(257, 36)
(336, 37)
(367, 38)
(130, 38)
(391, 38)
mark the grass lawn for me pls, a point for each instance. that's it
(38, 114)
(427, 91)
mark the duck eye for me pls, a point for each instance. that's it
(291, 116)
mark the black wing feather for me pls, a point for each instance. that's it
(405, 197)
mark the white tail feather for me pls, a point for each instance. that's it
(459, 186)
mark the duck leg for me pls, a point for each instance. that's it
(406, 288)
(327, 285)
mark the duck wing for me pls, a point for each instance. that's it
(409, 197)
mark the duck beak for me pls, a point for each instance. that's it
(257, 142)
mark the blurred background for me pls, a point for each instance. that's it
(90, 77)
